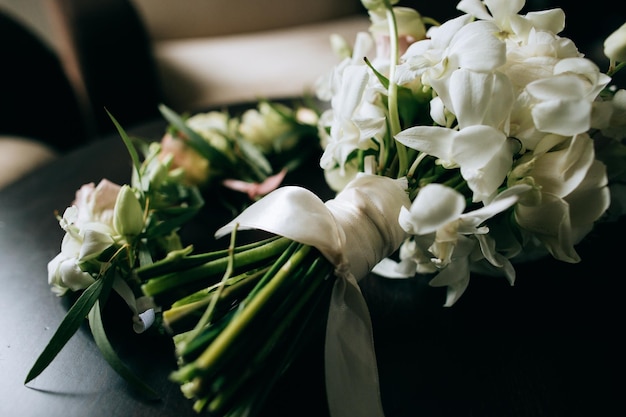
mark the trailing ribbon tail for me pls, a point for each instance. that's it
(354, 232)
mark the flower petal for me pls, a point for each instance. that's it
(434, 206)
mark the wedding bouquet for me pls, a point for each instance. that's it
(454, 148)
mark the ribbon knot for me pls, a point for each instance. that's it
(354, 231)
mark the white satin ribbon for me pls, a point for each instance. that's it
(354, 231)
(142, 307)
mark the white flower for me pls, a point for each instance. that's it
(94, 243)
(338, 127)
(615, 45)
(480, 98)
(564, 100)
(456, 275)
(533, 61)
(457, 44)
(84, 241)
(266, 127)
(327, 86)
(474, 47)
(536, 56)
(214, 127)
(483, 153)
(414, 258)
(64, 272)
(89, 230)
(500, 88)
(573, 194)
(78, 247)
(440, 209)
(442, 231)
(504, 14)
(355, 119)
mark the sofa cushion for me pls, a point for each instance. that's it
(198, 73)
(206, 18)
(20, 155)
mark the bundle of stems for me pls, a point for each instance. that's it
(239, 317)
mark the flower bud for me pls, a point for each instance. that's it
(409, 21)
(307, 116)
(615, 45)
(128, 214)
(340, 46)
(376, 4)
(521, 170)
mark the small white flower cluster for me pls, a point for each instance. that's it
(494, 119)
(101, 217)
(245, 147)
(111, 229)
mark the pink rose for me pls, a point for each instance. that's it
(96, 203)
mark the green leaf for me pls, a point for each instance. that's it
(254, 158)
(129, 144)
(70, 324)
(383, 80)
(178, 215)
(100, 337)
(197, 142)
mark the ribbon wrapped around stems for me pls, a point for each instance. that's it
(354, 231)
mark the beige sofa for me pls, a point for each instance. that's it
(216, 52)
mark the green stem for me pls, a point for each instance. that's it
(184, 309)
(295, 314)
(245, 317)
(613, 68)
(209, 312)
(181, 259)
(392, 102)
(194, 348)
(177, 280)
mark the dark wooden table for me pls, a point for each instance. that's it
(552, 345)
